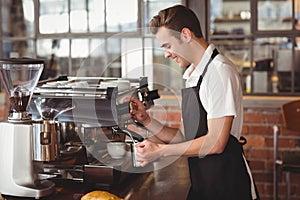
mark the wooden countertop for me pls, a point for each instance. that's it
(171, 182)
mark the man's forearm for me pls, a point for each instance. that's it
(164, 133)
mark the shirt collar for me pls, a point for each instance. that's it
(193, 77)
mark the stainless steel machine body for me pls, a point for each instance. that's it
(100, 114)
(46, 140)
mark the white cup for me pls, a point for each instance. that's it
(116, 150)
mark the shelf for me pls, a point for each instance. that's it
(230, 36)
(230, 20)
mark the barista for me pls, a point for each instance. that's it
(212, 112)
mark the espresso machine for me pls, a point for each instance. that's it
(98, 114)
(18, 176)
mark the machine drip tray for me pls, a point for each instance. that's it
(105, 171)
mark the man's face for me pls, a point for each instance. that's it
(173, 47)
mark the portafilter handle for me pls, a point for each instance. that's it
(144, 95)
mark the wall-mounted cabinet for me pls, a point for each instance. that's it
(260, 37)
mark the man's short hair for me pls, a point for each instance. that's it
(176, 18)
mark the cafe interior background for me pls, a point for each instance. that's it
(104, 38)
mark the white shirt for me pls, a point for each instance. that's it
(220, 91)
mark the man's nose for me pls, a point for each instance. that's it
(168, 54)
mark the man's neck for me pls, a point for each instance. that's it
(198, 47)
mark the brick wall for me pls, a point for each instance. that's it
(258, 129)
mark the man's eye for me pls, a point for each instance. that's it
(167, 46)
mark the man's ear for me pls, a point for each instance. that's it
(186, 35)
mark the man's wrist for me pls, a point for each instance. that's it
(153, 126)
(146, 122)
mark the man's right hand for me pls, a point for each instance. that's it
(138, 112)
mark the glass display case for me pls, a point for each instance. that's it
(260, 37)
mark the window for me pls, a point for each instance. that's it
(88, 38)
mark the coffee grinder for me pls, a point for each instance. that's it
(18, 176)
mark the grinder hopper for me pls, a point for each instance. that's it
(19, 77)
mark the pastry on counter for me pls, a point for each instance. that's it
(100, 195)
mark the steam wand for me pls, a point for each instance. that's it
(133, 135)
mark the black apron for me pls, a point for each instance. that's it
(219, 176)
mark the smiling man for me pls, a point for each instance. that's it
(212, 112)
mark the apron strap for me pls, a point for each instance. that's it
(213, 55)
